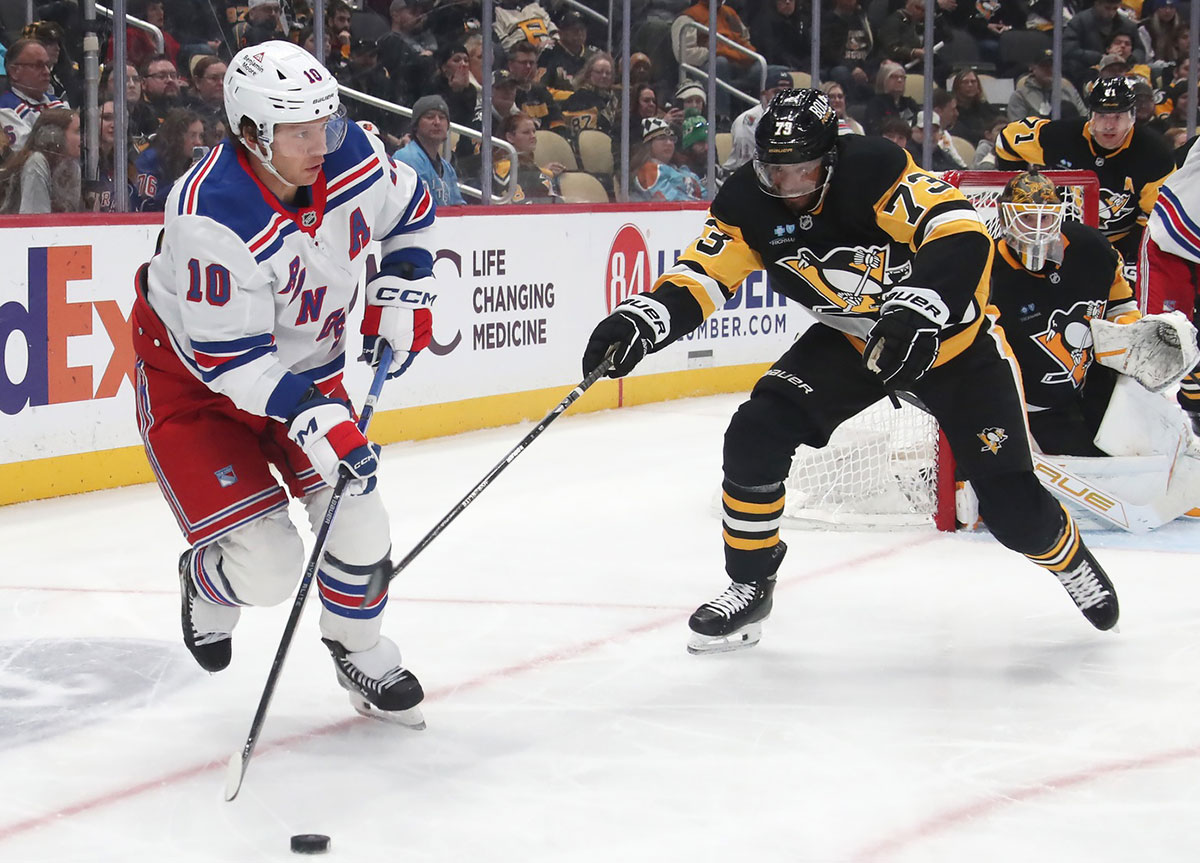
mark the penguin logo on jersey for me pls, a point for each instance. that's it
(849, 278)
(992, 439)
(1068, 339)
(1115, 206)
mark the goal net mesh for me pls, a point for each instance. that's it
(881, 468)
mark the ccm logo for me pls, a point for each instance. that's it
(408, 296)
(1084, 494)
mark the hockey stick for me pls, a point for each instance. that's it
(235, 772)
(380, 579)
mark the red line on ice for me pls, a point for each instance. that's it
(120, 794)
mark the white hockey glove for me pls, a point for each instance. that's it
(326, 431)
(1156, 351)
(397, 313)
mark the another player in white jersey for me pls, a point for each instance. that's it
(240, 334)
(1169, 260)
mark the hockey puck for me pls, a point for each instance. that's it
(310, 843)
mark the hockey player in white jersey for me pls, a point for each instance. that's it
(240, 334)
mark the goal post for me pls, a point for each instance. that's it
(891, 467)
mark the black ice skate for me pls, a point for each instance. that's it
(207, 628)
(733, 620)
(378, 685)
(1091, 590)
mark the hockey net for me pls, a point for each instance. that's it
(891, 467)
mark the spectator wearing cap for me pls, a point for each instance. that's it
(263, 23)
(65, 82)
(452, 82)
(1143, 111)
(945, 113)
(889, 99)
(431, 128)
(1089, 33)
(692, 152)
(734, 66)
(28, 93)
(741, 150)
(847, 125)
(532, 97)
(1121, 47)
(847, 45)
(975, 113)
(1158, 33)
(504, 105)
(655, 177)
(367, 75)
(1032, 95)
(517, 21)
(594, 103)
(207, 96)
(780, 33)
(535, 184)
(563, 60)
(940, 158)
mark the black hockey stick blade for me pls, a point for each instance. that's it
(235, 770)
(381, 578)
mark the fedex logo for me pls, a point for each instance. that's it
(45, 323)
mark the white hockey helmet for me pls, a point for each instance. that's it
(278, 82)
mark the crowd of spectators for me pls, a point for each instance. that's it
(991, 63)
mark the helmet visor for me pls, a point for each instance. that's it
(305, 139)
(790, 180)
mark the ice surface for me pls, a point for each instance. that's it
(916, 696)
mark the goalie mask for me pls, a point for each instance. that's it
(1031, 214)
(795, 145)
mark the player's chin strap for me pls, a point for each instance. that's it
(381, 578)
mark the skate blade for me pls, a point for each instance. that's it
(412, 718)
(747, 636)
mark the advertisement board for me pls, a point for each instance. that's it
(519, 292)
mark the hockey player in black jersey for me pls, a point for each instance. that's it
(1129, 162)
(895, 266)
(1050, 279)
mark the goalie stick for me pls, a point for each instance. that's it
(380, 579)
(235, 771)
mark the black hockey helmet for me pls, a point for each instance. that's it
(1112, 96)
(798, 126)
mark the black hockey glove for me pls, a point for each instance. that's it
(901, 347)
(631, 327)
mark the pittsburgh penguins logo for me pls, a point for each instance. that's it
(1116, 206)
(992, 439)
(850, 279)
(1068, 339)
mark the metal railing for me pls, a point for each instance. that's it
(139, 24)
(392, 108)
(729, 88)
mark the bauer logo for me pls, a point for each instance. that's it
(628, 270)
(52, 686)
